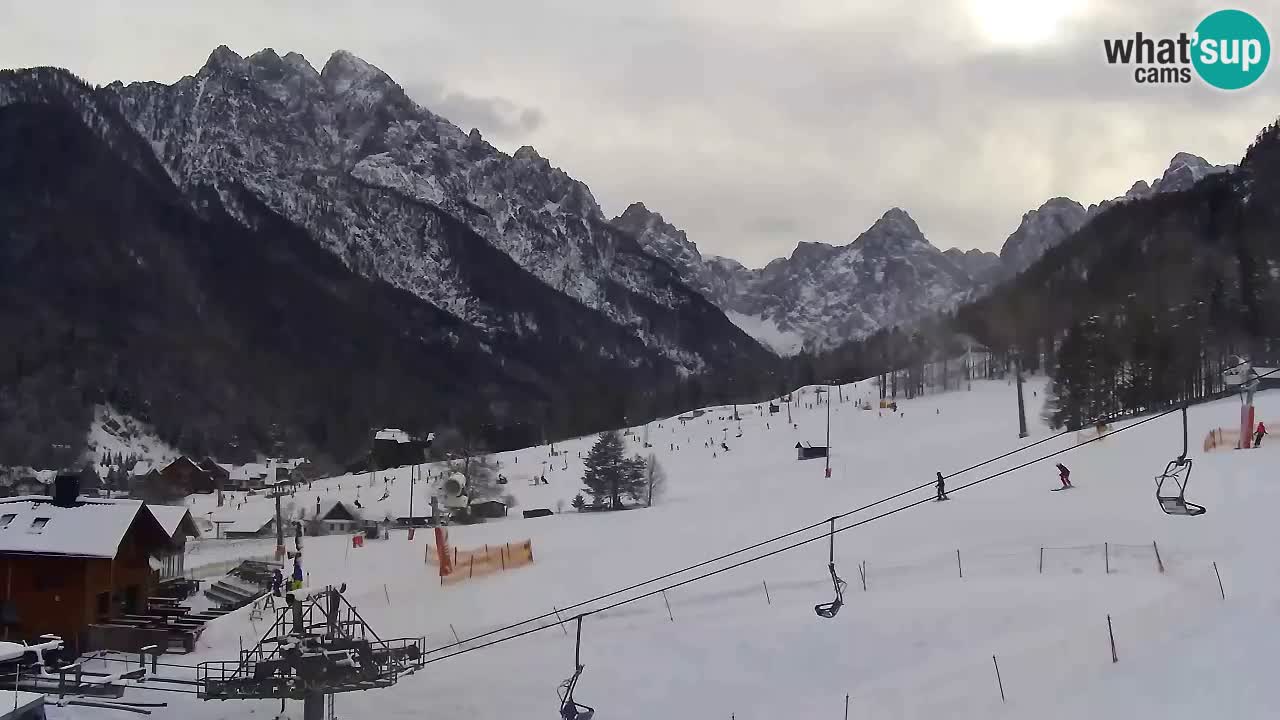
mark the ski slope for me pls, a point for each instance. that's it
(917, 643)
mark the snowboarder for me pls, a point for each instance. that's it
(1064, 475)
(1259, 434)
(942, 488)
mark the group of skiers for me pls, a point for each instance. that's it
(278, 581)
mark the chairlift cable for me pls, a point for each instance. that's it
(748, 548)
(801, 543)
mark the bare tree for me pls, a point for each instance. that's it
(655, 480)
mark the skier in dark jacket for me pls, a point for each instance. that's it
(1064, 475)
(277, 582)
(1259, 434)
(942, 488)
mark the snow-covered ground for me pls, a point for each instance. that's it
(783, 342)
(917, 643)
(114, 433)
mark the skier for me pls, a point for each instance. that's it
(1064, 475)
(297, 572)
(1259, 434)
(942, 488)
(277, 582)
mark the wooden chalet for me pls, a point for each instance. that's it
(178, 525)
(71, 561)
(175, 481)
(220, 474)
(184, 474)
(336, 517)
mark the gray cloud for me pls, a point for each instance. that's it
(749, 124)
(499, 119)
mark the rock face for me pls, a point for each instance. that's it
(980, 264)
(1058, 218)
(823, 295)
(263, 256)
(1040, 230)
(382, 183)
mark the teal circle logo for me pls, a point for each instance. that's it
(1231, 49)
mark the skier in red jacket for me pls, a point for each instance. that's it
(1259, 433)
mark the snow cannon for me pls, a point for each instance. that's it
(455, 491)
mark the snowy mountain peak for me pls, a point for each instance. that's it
(638, 216)
(1041, 229)
(400, 193)
(1139, 189)
(894, 230)
(526, 152)
(345, 72)
(1184, 171)
(266, 57)
(224, 59)
(300, 63)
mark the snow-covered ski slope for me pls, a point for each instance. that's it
(917, 643)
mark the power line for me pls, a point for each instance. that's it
(801, 543)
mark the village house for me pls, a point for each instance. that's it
(69, 561)
(334, 518)
(185, 474)
(178, 524)
(220, 474)
(258, 522)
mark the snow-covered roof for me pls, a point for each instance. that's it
(328, 506)
(392, 434)
(142, 468)
(33, 524)
(170, 517)
(250, 521)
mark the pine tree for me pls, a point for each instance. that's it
(609, 475)
(635, 482)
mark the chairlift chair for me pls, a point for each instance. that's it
(571, 709)
(1177, 475)
(831, 609)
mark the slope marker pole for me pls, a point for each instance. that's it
(999, 681)
(1114, 658)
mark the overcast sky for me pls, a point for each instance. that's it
(751, 124)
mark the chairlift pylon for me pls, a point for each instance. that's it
(1177, 474)
(571, 709)
(829, 610)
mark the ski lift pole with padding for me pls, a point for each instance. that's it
(571, 709)
(1178, 474)
(829, 610)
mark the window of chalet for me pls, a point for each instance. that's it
(37, 525)
(5, 519)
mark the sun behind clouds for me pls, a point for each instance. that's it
(1021, 23)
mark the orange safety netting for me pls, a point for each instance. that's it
(461, 565)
